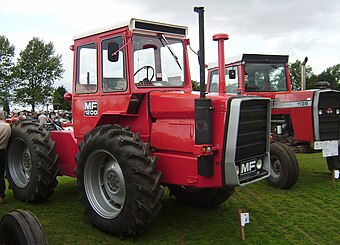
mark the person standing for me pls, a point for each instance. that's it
(5, 133)
(42, 119)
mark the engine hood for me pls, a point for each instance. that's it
(179, 104)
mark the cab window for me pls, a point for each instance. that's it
(265, 77)
(114, 76)
(231, 82)
(158, 61)
(86, 81)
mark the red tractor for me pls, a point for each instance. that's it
(303, 119)
(138, 126)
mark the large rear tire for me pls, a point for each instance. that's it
(284, 171)
(201, 197)
(117, 181)
(32, 163)
(21, 227)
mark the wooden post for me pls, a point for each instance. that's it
(242, 233)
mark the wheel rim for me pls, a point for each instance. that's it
(20, 163)
(104, 184)
(275, 169)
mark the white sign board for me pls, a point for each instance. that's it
(330, 148)
(245, 219)
(336, 174)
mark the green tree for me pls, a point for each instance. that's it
(331, 75)
(195, 85)
(6, 72)
(311, 81)
(58, 99)
(37, 69)
(295, 74)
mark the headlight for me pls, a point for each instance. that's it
(320, 112)
(237, 170)
(337, 111)
(259, 164)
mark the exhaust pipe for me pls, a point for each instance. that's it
(201, 52)
(203, 109)
(221, 62)
(303, 74)
(203, 113)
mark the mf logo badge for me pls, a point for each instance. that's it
(248, 167)
(90, 108)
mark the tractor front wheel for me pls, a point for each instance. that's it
(284, 170)
(117, 181)
(200, 197)
(32, 163)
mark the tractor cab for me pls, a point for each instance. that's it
(253, 74)
(126, 62)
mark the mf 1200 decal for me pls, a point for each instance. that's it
(90, 108)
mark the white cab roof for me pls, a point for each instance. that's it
(138, 24)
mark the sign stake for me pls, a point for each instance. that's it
(243, 219)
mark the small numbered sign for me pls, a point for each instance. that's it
(245, 219)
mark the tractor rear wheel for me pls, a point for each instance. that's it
(200, 197)
(284, 171)
(21, 227)
(117, 181)
(32, 163)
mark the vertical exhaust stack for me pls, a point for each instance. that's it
(221, 63)
(201, 53)
(303, 74)
(203, 114)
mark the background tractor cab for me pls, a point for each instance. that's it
(304, 119)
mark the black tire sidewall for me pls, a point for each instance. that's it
(21, 193)
(10, 230)
(140, 206)
(278, 152)
(293, 167)
(44, 166)
(21, 227)
(97, 220)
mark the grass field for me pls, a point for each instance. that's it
(309, 213)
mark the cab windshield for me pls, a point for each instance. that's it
(265, 77)
(158, 61)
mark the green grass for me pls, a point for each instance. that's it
(309, 213)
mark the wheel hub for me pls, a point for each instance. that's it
(26, 163)
(104, 184)
(275, 167)
(112, 181)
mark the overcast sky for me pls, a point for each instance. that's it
(298, 28)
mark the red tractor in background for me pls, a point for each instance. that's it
(304, 119)
(138, 125)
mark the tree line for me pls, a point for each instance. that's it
(29, 81)
(330, 74)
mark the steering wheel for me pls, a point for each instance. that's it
(147, 68)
